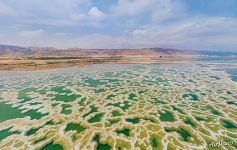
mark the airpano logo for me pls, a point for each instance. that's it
(221, 143)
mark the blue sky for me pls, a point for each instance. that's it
(181, 24)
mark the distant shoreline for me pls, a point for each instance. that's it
(41, 58)
(45, 63)
(30, 64)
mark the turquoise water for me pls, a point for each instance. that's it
(118, 106)
(217, 59)
(232, 72)
(227, 61)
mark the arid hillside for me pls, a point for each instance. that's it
(78, 52)
(35, 58)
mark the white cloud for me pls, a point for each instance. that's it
(16, 26)
(6, 10)
(159, 10)
(131, 24)
(46, 12)
(167, 9)
(132, 7)
(61, 34)
(49, 22)
(77, 17)
(74, 18)
(196, 33)
(95, 13)
(31, 33)
(208, 33)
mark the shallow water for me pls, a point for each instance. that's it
(218, 59)
(232, 72)
(118, 106)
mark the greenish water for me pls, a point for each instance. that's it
(49, 122)
(93, 110)
(214, 111)
(190, 122)
(182, 132)
(32, 131)
(191, 96)
(64, 94)
(110, 96)
(34, 114)
(76, 127)
(124, 106)
(8, 112)
(125, 132)
(66, 109)
(66, 98)
(154, 143)
(101, 146)
(23, 94)
(175, 108)
(131, 96)
(200, 118)
(93, 82)
(228, 124)
(133, 120)
(6, 133)
(96, 118)
(116, 113)
(52, 146)
(118, 106)
(82, 102)
(114, 121)
(100, 90)
(40, 140)
(167, 116)
(231, 103)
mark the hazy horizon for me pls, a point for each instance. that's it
(120, 24)
(138, 48)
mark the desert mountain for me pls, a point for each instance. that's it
(15, 50)
(78, 52)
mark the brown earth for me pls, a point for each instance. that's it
(38, 58)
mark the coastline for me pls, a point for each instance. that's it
(35, 64)
(45, 64)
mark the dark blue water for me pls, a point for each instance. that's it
(232, 72)
(226, 60)
(218, 59)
